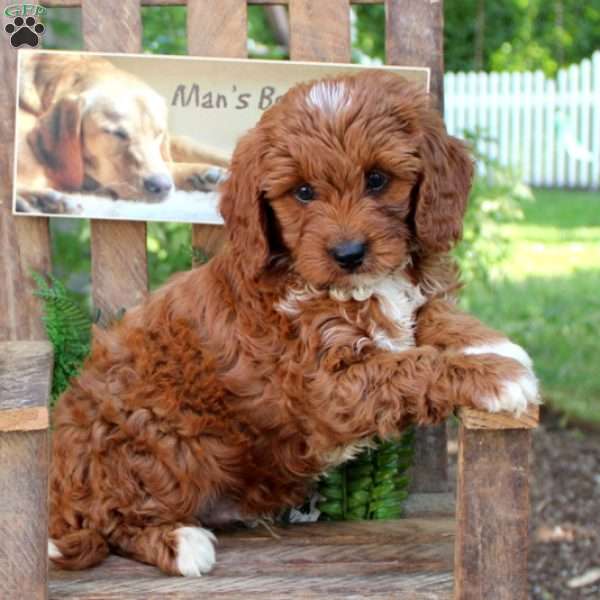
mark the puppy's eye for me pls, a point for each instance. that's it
(305, 193)
(376, 181)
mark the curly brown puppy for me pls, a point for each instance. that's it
(328, 320)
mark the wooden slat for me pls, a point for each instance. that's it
(25, 374)
(25, 371)
(478, 419)
(492, 515)
(24, 514)
(409, 558)
(24, 242)
(224, 32)
(320, 31)
(73, 3)
(119, 259)
(414, 37)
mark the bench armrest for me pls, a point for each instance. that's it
(25, 377)
(472, 418)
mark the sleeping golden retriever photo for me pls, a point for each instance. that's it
(140, 137)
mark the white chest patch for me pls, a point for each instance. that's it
(399, 300)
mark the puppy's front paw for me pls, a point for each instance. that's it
(503, 348)
(513, 395)
(195, 551)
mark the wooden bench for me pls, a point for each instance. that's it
(480, 555)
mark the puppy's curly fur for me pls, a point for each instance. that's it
(229, 390)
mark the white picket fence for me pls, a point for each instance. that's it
(548, 129)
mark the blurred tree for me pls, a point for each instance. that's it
(479, 34)
(520, 34)
(492, 35)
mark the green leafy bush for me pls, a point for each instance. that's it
(495, 199)
(371, 486)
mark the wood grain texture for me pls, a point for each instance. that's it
(23, 515)
(492, 515)
(429, 473)
(414, 37)
(320, 31)
(410, 558)
(216, 30)
(25, 374)
(24, 241)
(479, 419)
(423, 504)
(119, 258)
(119, 266)
(24, 419)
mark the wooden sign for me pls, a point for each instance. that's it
(141, 137)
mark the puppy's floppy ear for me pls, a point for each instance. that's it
(444, 187)
(244, 208)
(56, 141)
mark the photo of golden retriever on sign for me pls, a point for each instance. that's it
(137, 137)
(90, 131)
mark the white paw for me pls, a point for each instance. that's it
(503, 348)
(195, 551)
(53, 551)
(514, 395)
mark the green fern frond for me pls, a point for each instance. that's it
(68, 328)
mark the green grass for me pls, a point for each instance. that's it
(547, 297)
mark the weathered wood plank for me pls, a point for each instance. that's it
(24, 514)
(25, 374)
(429, 473)
(426, 586)
(320, 31)
(410, 558)
(224, 28)
(24, 242)
(119, 266)
(424, 504)
(479, 419)
(420, 530)
(24, 419)
(119, 259)
(492, 515)
(414, 37)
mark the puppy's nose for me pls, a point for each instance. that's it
(349, 254)
(158, 185)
